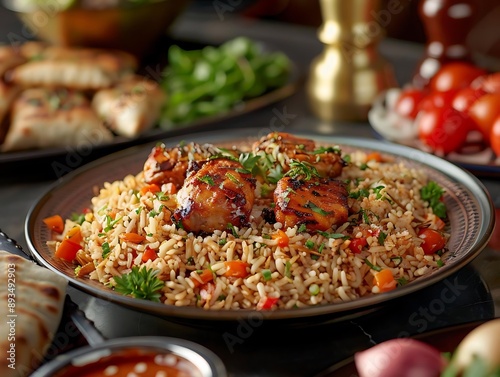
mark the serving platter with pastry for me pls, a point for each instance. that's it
(32, 305)
(54, 99)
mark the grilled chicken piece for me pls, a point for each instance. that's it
(327, 161)
(285, 142)
(216, 195)
(170, 165)
(318, 203)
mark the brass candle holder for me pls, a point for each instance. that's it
(345, 79)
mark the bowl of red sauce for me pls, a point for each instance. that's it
(136, 356)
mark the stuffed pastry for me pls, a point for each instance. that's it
(130, 107)
(47, 118)
(76, 68)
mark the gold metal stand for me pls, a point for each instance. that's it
(345, 79)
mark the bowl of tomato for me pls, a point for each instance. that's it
(457, 115)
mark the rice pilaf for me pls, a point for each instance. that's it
(284, 267)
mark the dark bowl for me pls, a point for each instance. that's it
(127, 26)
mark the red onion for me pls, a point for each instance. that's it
(403, 357)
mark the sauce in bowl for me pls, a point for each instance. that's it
(130, 362)
(136, 357)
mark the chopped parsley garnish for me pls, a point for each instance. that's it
(377, 190)
(440, 263)
(363, 166)
(275, 174)
(222, 241)
(321, 150)
(250, 161)
(372, 266)
(140, 283)
(162, 196)
(316, 209)
(207, 179)
(138, 210)
(105, 250)
(265, 190)
(361, 193)
(333, 235)
(288, 267)
(302, 228)
(402, 281)
(432, 193)
(110, 223)
(366, 219)
(178, 224)
(233, 229)
(233, 179)
(153, 213)
(78, 218)
(381, 238)
(396, 260)
(302, 169)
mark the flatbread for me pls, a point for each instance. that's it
(131, 107)
(32, 300)
(47, 118)
(76, 68)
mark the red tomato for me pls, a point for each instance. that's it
(489, 83)
(484, 111)
(437, 99)
(443, 129)
(495, 136)
(433, 240)
(357, 244)
(408, 102)
(266, 303)
(466, 97)
(455, 75)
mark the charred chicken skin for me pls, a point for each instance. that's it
(215, 193)
(318, 203)
(327, 161)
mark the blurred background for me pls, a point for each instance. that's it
(483, 40)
